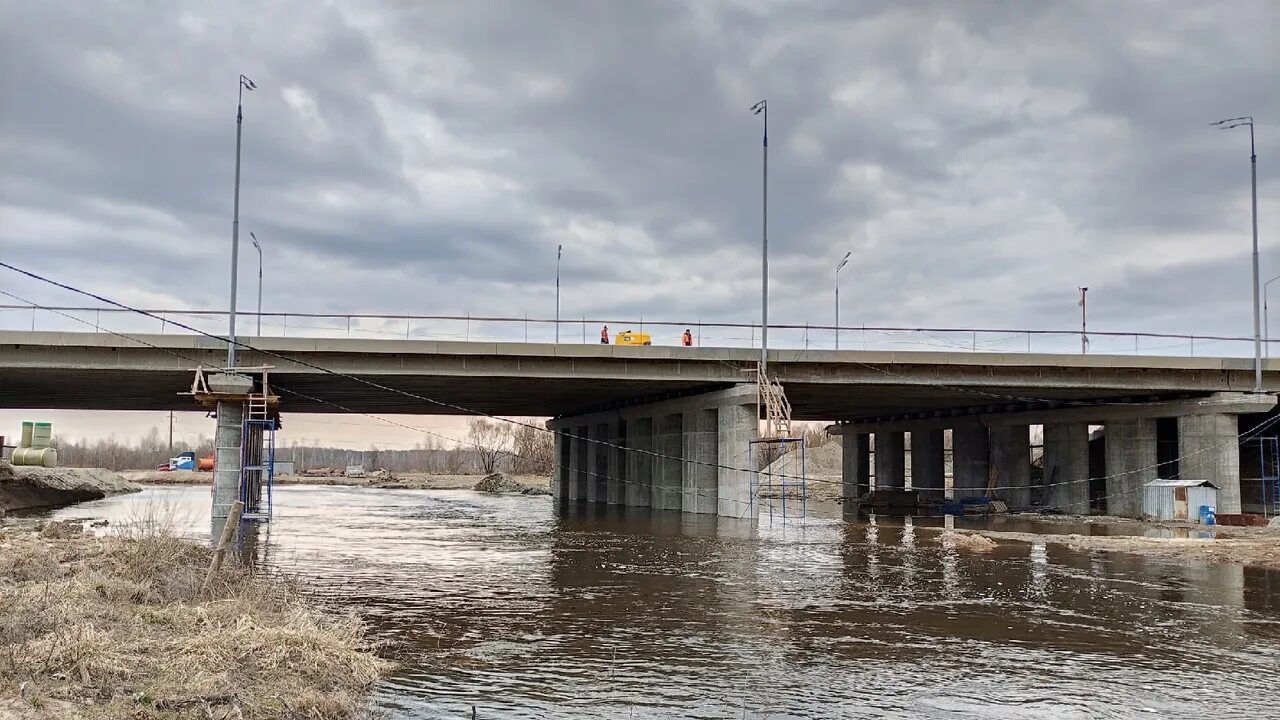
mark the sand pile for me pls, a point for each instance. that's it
(822, 469)
(502, 483)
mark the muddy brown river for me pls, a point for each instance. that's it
(508, 606)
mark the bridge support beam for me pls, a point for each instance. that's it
(701, 440)
(1066, 467)
(928, 463)
(970, 451)
(855, 468)
(1011, 456)
(1209, 449)
(692, 454)
(890, 459)
(228, 438)
(1131, 464)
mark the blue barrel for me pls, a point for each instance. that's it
(1207, 515)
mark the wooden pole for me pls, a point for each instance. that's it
(220, 551)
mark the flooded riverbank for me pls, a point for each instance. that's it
(524, 612)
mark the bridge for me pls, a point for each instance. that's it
(689, 414)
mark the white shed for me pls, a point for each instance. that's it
(1178, 499)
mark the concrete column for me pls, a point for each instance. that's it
(1131, 464)
(581, 475)
(1209, 449)
(560, 486)
(1066, 467)
(970, 459)
(639, 462)
(701, 440)
(598, 452)
(738, 426)
(890, 459)
(669, 479)
(228, 437)
(615, 489)
(1011, 455)
(855, 466)
(928, 463)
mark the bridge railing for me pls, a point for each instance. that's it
(784, 336)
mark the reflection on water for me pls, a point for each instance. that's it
(525, 612)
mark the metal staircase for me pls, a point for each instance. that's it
(777, 409)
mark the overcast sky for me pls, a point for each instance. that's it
(980, 159)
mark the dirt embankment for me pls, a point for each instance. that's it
(30, 487)
(387, 481)
(106, 628)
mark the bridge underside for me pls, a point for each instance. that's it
(161, 389)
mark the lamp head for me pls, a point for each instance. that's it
(759, 107)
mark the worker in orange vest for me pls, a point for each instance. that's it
(604, 335)
(687, 338)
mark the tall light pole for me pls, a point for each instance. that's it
(1266, 322)
(245, 84)
(258, 247)
(762, 108)
(559, 252)
(843, 262)
(1247, 121)
(1084, 321)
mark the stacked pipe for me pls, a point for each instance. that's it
(33, 448)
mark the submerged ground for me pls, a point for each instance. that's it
(504, 604)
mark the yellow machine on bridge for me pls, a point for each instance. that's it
(629, 337)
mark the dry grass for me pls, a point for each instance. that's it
(119, 628)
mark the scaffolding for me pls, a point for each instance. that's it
(257, 460)
(1268, 449)
(771, 487)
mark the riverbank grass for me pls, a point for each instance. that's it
(119, 627)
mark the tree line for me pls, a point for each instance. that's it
(491, 446)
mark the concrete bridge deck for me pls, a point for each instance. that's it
(147, 372)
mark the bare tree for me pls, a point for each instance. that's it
(491, 440)
(533, 449)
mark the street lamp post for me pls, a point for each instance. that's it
(559, 252)
(762, 108)
(844, 261)
(1247, 121)
(245, 84)
(1266, 322)
(1084, 321)
(258, 247)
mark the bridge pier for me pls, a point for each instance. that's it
(1206, 451)
(928, 463)
(1208, 435)
(855, 467)
(1011, 457)
(891, 470)
(691, 454)
(1066, 466)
